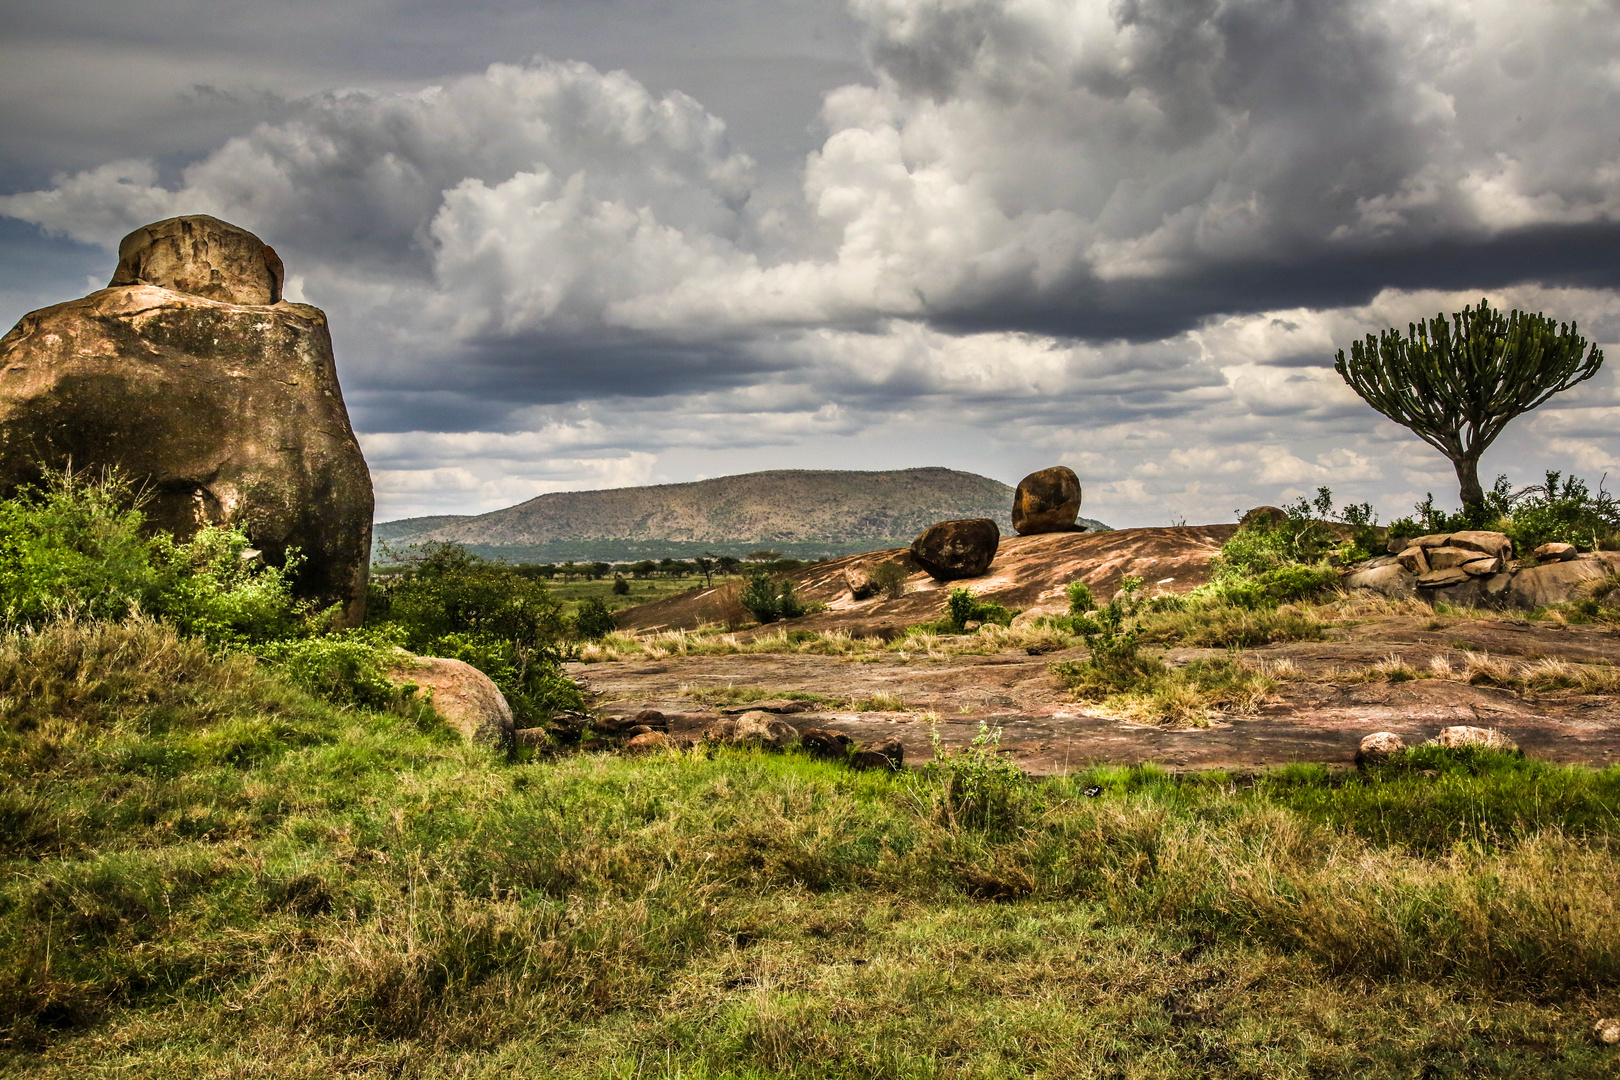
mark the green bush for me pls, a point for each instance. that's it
(962, 607)
(593, 621)
(767, 600)
(1563, 509)
(452, 603)
(1080, 598)
(74, 547)
(348, 667)
(621, 587)
(889, 578)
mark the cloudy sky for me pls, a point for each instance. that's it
(587, 243)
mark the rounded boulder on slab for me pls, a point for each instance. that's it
(201, 256)
(952, 550)
(1379, 747)
(1046, 501)
(1556, 552)
(1455, 738)
(1561, 582)
(859, 579)
(468, 699)
(226, 414)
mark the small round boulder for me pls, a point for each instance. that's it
(952, 550)
(1047, 501)
(1606, 1032)
(1379, 747)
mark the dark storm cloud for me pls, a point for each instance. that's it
(1133, 232)
(1580, 256)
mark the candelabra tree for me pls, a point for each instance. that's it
(1457, 383)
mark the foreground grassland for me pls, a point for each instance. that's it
(208, 873)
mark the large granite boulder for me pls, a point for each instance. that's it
(952, 550)
(1047, 501)
(191, 375)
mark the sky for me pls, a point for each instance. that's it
(595, 243)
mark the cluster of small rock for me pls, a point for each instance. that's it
(1380, 746)
(649, 730)
(1477, 568)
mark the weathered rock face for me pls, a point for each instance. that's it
(952, 550)
(467, 698)
(859, 580)
(227, 410)
(1047, 501)
(201, 256)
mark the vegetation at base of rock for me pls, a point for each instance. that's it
(451, 603)
(209, 871)
(75, 547)
(1457, 385)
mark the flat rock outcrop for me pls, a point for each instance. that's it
(193, 376)
(952, 550)
(1047, 501)
(1477, 569)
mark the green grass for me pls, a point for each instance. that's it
(209, 873)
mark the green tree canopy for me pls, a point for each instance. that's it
(1457, 384)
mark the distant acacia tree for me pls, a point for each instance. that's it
(705, 566)
(728, 564)
(1456, 385)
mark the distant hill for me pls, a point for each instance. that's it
(804, 513)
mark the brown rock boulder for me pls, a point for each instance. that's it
(1493, 544)
(822, 743)
(1556, 552)
(1444, 558)
(1392, 580)
(1379, 747)
(1440, 579)
(647, 741)
(1561, 582)
(1482, 567)
(227, 413)
(201, 256)
(859, 579)
(753, 729)
(952, 550)
(1413, 559)
(468, 699)
(1047, 501)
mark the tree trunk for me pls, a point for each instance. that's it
(1473, 496)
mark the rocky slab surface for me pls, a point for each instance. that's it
(1321, 715)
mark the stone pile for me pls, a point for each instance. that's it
(1476, 568)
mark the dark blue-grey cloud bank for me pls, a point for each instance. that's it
(1127, 234)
